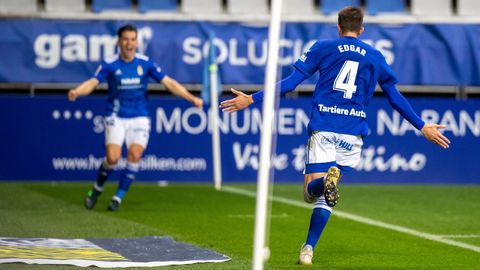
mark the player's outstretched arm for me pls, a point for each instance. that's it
(240, 102)
(83, 89)
(430, 131)
(177, 89)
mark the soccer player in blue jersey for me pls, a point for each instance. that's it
(126, 118)
(349, 72)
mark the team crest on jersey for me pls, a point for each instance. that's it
(118, 72)
(303, 58)
(139, 70)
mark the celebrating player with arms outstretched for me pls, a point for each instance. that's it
(127, 116)
(349, 72)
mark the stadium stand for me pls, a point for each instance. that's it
(111, 5)
(411, 10)
(298, 7)
(385, 6)
(332, 6)
(205, 6)
(468, 7)
(157, 5)
(378, 11)
(65, 6)
(432, 7)
(247, 7)
(18, 6)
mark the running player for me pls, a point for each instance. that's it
(349, 72)
(126, 118)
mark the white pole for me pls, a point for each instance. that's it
(260, 251)
(217, 163)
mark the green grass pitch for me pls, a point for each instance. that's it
(223, 221)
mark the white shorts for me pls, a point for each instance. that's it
(325, 149)
(129, 130)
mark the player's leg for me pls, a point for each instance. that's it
(313, 186)
(322, 184)
(322, 210)
(114, 137)
(319, 163)
(348, 151)
(136, 139)
(347, 155)
(127, 176)
(318, 220)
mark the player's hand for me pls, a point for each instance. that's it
(197, 102)
(240, 102)
(430, 131)
(72, 95)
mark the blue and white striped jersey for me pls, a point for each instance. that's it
(127, 84)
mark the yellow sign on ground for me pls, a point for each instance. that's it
(109, 253)
(97, 254)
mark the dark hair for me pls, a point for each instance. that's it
(350, 19)
(125, 28)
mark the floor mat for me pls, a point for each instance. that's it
(106, 253)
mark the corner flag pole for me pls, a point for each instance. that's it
(210, 91)
(260, 251)
(217, 163)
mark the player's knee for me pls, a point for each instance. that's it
(112, 159)
(307, 198)
(134, 156)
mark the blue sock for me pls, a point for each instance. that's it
(103, 172)
(317, 223)
(315, 187)
(126, 179)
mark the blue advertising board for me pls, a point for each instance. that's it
(46, 50)
(49, 138)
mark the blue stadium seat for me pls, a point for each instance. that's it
(380, 6)
(333, 6)
(111, 5)
(157, 5)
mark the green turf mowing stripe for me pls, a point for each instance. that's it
(360, 219)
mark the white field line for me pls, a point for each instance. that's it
(460, 236)
(364, 220)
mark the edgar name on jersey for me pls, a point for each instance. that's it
(351, 48)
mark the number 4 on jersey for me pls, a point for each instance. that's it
(345, 80)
